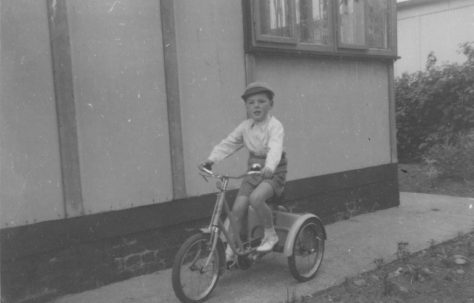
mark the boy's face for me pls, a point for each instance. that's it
(258, 106)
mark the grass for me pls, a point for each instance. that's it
(441, 273)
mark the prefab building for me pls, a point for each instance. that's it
(432, 26)
(108, 106)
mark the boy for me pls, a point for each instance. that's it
(262, 134)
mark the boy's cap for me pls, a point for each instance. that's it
(257, 88)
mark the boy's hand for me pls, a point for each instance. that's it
(207, 164)
(267, 173)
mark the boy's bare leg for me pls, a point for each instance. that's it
(258, 199)
(239, 210)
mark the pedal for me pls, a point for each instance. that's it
(230, 265)
(244, 262)
(256, 256)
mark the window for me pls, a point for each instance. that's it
(352, 23)
(363, 23)
(302, 23)
(312, 20)
(377, 27)
(361, 27)
(275, 21)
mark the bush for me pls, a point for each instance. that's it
(434, 106)
(455, 161)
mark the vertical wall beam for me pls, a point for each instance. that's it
(65, 107)
(392, 113)
(249, 68)
(249, 59)
(392, 35)
(173, 98)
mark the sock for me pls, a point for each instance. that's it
(228, 251)
(270, 232)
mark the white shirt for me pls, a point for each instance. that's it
(264, 139)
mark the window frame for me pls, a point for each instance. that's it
(254, 44)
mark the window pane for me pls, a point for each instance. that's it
(352, 22)
(275, 18)
(378, 23)
(312, 19)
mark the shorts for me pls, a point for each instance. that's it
(277, 181)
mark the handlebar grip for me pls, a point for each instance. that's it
(255, 167)
(207, 166)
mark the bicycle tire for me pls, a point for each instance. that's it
(309, 245)
(189, 259)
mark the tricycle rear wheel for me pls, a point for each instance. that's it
(308, 251)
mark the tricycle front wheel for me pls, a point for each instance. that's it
(193, 280)
(308, 251)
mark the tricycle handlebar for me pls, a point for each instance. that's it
(209, 173)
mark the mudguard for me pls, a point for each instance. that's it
(291, 237)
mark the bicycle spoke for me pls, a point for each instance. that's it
(197, 270)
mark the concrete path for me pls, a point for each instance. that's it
(351, 248)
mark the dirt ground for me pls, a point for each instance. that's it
(442, 273)
(415, 178)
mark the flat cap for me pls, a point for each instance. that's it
(257, 88)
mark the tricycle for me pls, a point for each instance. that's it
(200, 260)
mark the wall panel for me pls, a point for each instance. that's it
(335, 112)
(212, 78)
(119, 85)
(30, 177)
